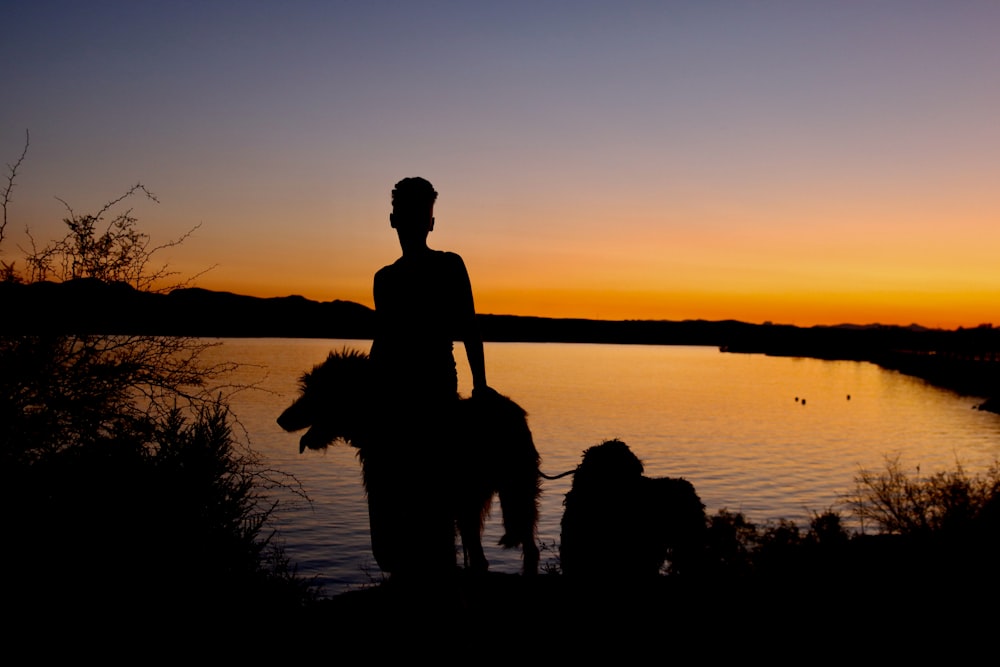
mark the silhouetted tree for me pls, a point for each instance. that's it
(119, 467)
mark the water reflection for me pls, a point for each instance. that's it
(729, 423)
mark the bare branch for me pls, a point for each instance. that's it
(11, 175)
(138, 187)
(108, 246)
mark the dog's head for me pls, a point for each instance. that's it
(610, 462)
(332, 400)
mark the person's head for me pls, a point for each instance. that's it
(413, 206)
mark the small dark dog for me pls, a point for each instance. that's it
(620, 524)
(489, 451)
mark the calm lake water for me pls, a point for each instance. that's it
(729, 423)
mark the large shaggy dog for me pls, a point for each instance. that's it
(487, 450)
(620, 524)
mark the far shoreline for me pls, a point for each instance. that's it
(966, 361)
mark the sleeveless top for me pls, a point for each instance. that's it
(423, 304)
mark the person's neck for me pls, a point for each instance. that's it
(414, 248)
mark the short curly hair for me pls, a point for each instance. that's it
(413, 192)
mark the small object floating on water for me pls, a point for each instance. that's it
(848, 397)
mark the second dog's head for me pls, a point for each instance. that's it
(610, 462)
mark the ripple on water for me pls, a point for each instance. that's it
(729, 423)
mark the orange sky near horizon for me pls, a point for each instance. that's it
(870, 273)
(789, 162)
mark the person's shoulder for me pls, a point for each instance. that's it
(385, 277)
(450, 258)
(389, 268)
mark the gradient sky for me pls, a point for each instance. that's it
(798, 162)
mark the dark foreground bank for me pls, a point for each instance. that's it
(928, 579)
(550, 618)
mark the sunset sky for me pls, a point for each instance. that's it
(790, 161)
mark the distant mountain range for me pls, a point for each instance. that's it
(91, 306)
(967, 360)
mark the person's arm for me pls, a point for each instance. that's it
(469, 333)
(477, 362)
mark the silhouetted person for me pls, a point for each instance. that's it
(423, 303)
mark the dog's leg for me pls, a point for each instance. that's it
(529, 559)
(519, 508)
(470, 529)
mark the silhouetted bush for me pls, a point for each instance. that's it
(740, 549)
(732, 540)
(939, 529)
(124, 484)
(896, 503)
(169, 515)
